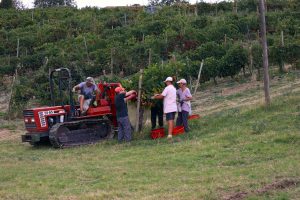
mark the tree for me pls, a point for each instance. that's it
(256, 52)
(53, 3)
(234, 60)
(212, 68)
(6, 4)
(18, 5)
(165, 2)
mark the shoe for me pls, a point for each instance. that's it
(170, 139)
(83, 113)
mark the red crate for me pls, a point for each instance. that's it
(193, 117)
(178, 130)
(158, 133)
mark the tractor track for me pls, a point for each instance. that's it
(77, 133)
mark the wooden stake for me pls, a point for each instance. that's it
(251, 59)
(281, 67)
(265, 52)
(111, 62)
(11, 94)
(86, 48)
(199, 75)
(149, 58)
(139, 101)
(18, 46)
(282, 39)
(125, 16)
(235, 7)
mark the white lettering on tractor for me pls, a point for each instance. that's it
(42, 117)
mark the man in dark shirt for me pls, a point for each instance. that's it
(124, 126)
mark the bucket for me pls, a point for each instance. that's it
(178, 130)
(157, 133)
(193, 117)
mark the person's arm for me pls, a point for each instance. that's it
(128, 94)
(158, 96)
(162, 95)
(188, 96)
(76, 88)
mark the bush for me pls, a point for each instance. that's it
(234, 60)
(7, 70)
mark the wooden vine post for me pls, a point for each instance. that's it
(149, 58)
(265, 52)
(86, 48)
(112, 62)
(18, 47)
(139, 101)
(281, 67)
(11, 94)
(199, 75)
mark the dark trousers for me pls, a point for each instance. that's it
(182, 119)
(159, 113)
(124, 129)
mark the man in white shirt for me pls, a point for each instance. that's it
(170, 106)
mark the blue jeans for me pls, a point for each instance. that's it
(183, 119)
(124, 129)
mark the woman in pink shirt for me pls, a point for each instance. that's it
(184, 98)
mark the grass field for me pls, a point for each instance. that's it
(231, 153)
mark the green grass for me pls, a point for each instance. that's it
(222, 155)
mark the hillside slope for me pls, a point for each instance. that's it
(121, 41)
(234, 94)
(246, 152)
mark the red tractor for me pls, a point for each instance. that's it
(62, 124)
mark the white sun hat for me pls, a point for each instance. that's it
(170, 79)
(183, 81)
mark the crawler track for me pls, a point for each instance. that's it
(80, 132)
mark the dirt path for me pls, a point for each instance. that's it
(277, 185)
(6, 135)
(11, 130)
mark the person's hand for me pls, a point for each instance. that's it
(153, 97)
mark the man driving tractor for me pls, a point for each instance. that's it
(87, 89)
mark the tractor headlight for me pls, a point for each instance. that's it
(26, 120)
(32, 120)
(50, 121)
